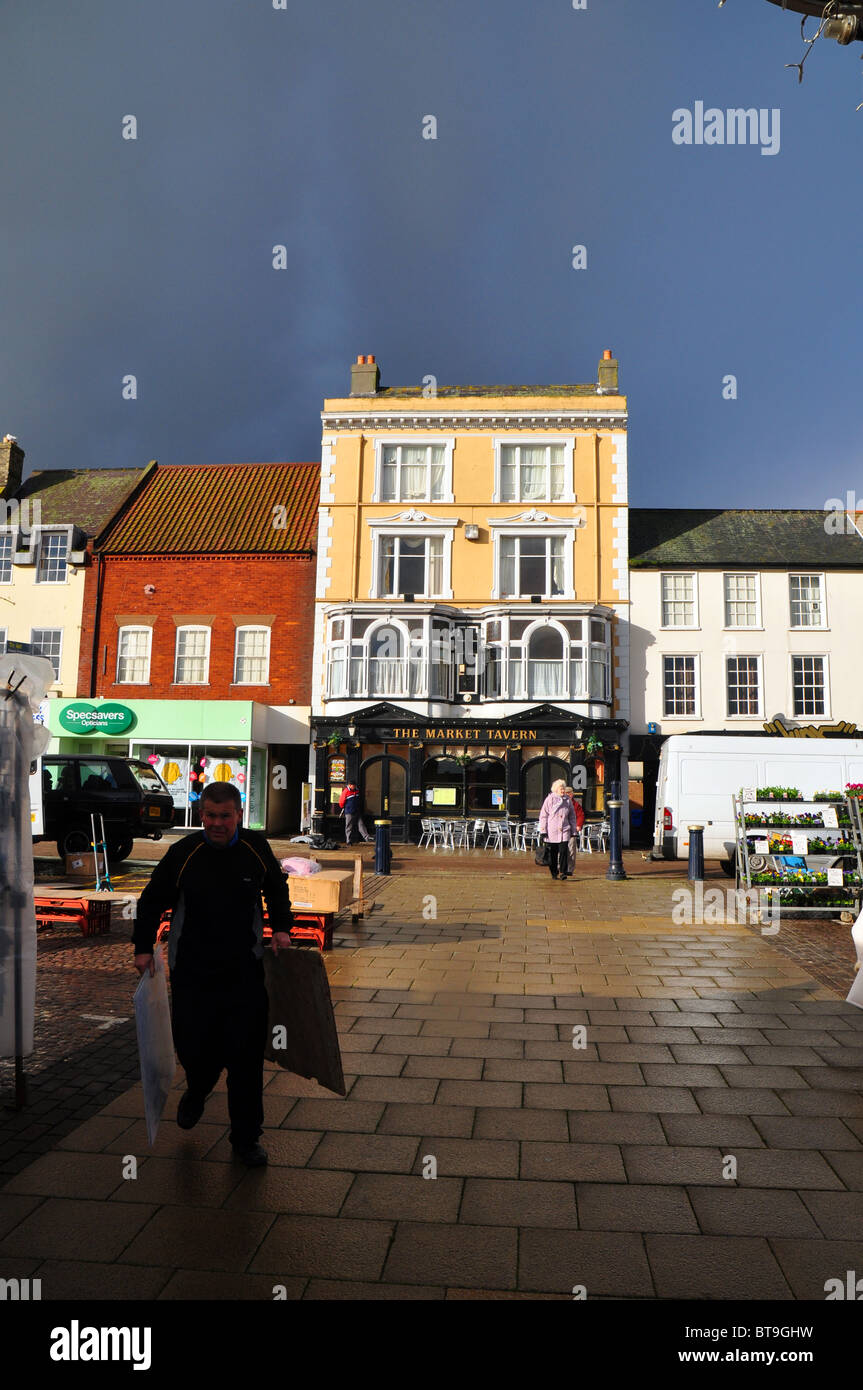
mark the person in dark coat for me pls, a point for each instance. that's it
(579, 822)
(213, 881)
(558, 824)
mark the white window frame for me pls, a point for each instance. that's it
(537, 524)
(60, 652)
(747, 656)
(822, 593)
(12, 543)
(826, 713)
(134, 627)
(192, 627)
(679, 627)
(389, 441)
(695, 657)
(757, 626)
(412, 525)
(46, 533)
(536, 441)
(251, 627)
(4, 634)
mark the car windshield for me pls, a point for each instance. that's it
(147, 777)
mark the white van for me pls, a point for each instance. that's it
(698, 776)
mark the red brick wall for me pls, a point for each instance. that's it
(221, 586)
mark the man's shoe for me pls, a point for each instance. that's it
(190, 1110)
(253, 1157)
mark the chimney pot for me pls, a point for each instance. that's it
(365, 377)
(607, 355)
(606, 381)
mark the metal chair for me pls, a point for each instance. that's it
(426, 837)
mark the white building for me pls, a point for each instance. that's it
(741, 619)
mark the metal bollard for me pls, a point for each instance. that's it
(616, 872)
(383, 853)
(696, 853)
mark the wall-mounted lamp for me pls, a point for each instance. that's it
(352, 730)
(471, 532)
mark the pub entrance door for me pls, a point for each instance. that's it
(384, 788)
(536, 779)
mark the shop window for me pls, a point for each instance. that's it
(486, 786)
(443, 787)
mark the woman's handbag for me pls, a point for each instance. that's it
(540, 854)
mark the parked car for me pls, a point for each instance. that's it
(700, 773)
(129, 794)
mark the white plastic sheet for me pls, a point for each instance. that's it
(855, 993)
(155, 1043)
(23, 682)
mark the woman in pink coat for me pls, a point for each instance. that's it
(557, 823)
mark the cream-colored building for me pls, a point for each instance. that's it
(45, 525)
(472, 593)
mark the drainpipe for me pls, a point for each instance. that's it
(96, 622)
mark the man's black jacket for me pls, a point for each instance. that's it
(215, 896)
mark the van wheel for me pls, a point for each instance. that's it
(73, 839)
(118, 850)
(728, 867)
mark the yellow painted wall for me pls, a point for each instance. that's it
(46, 605)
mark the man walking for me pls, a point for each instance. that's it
(349, 801)
(213, 882)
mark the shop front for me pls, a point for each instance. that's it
(408, 768)
(190, 743)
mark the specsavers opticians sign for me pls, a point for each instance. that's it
(96, 719)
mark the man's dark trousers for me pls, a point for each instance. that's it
(220, 1021)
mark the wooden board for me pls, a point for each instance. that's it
(300, 1004)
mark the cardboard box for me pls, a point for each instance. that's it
(329, 891)
(81, 866)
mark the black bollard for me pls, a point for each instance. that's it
(383, 853)
(696, 853)
(616, 872)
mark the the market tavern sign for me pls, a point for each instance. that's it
(842, 729)
(468, 733)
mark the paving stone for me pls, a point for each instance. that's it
(316, 1192)
(360, 1115)
(101, 1230)
(849, 1166)
(636, 1052)
(839, 1214)
(521, 1124)
(803, 1132)
(502, 1202)
(381, 1064)
(737, 1211)
(463, 1255)
(713, 1100)
(605, 1263)
(325, 1246)
(728, 1037)
(586, 1073)
(571, 1163)
(726, 1131)
(798, 1037)
(765, 1055)
(714, 1267)
(392, 1198)
(642, 1033)
(833, 1078)
(183, 1182)
(94, 1134)
(808, 1265)
(454, 1120)
(206, 1286)
(470, 1158)
(633, 1208)
(75, 1280)
(817, 1102)
(462, 1068)
(560, 1051)
(498, 1094)
(13, 1208)
(704, 1054)
(797, 1168)
(653, 1098)
(374, 1153)
(90, 1176)
(681, 1074)
(487, 1047)
(516, 1069)
(414, 1047)
(648, 1163)
(352, 1291)
(596, 1127)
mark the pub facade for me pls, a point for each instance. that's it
(471, 615)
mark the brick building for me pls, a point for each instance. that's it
(198, 624)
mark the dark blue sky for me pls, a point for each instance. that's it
(453, 257)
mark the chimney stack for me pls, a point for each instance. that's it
(606, 381)
(365, 377)
(11, 466)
